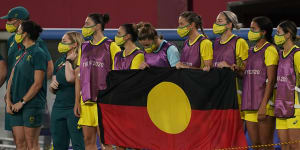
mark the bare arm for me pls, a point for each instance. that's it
(8, 96)
(3, 73)
(39, 76)
(50, 69)
(53, 85)
(271, 72)
(33, 90)
(77, 85)
(69, 72)
(8, 90)
(77, 93)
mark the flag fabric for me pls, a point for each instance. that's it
(170, 109)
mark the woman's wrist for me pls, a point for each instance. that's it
(8, 102)
(77, 101)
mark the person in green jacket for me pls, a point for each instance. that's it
(63, 120)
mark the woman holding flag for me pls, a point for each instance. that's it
(197, 52)
(131, 57)
(229, 49)
(158, 52)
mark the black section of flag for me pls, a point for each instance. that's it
(215, 89)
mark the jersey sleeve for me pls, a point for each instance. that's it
(39, 61)
(137, 60)
(297, 61)
(173, 55)
(271, 56)
(242, 49)
(114, 49)
(206, 49)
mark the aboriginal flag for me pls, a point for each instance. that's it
(170, 109)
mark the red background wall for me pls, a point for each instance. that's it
(209, 10)
(72, 13)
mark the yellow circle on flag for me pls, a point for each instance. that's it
(169, 108)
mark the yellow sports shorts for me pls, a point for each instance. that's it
(289, 123)
(252, 115)
(88, 114)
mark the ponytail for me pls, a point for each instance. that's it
(102, 19)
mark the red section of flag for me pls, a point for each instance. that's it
(131, 126)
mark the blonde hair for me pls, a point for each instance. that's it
(231, 17)
(76, 37)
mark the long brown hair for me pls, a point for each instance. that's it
(193, 17)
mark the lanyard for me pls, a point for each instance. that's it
(13, 70)
(60, 67)
(20, 59)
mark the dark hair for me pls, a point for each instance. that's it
(193, 17)
(32, 29)
(265, 24)
(289, 27)
(132, 30)
(146, 31)
(100, 19)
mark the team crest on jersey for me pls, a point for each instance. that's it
(31, 119)
(28, 57)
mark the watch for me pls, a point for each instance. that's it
(22, 101)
